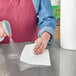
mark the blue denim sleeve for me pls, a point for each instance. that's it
(47, 21)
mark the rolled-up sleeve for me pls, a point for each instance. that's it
(47, 21)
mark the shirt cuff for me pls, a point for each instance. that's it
(48, 29)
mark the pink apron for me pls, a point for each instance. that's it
(22, 17)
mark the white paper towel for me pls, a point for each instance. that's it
(68, 24)
(29, 57)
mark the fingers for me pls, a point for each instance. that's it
(39, 47)
(41, 44)
(40, 50)
(2, 33)
(5, 34)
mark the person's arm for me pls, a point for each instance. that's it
(46, 24)
(47, 21)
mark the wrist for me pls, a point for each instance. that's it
(46, 36)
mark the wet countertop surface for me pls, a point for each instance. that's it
(63, 61)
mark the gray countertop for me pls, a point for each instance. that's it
(63, 62)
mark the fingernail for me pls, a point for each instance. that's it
(35, 52)
(38, 53)
(41, 52)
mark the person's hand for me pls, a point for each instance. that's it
(2, 33)
(41, 43)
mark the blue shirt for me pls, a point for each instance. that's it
(46, 19)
